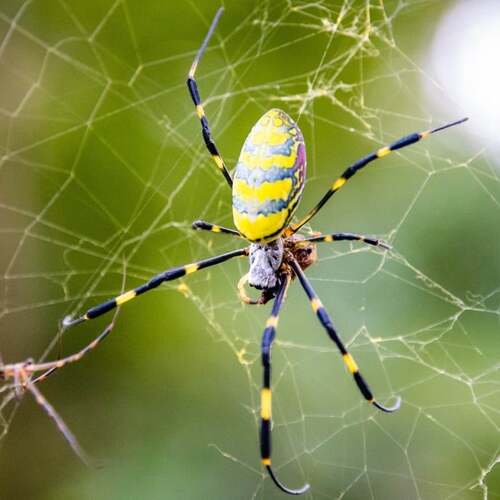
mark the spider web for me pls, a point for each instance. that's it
(102, 171)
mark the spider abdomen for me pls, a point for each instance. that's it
(269, 177)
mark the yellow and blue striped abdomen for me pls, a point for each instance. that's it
(269, 177)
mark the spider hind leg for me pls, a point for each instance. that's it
(266, 398)
(327, 324)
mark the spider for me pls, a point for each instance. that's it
(266, 189)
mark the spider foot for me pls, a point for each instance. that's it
(384, 245)
(388, 409)
(283, 488)
(69, 321)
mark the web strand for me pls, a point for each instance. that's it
(101, 163)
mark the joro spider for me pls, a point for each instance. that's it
(266, 189)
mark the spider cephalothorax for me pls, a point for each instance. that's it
(265, 262)
(268, 183)
(270, 262)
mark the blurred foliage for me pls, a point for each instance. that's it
(103, 170)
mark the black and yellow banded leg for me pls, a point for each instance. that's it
(201, 225)
(265, 404)
(195, 95)
(325, 320)
(154, 282)
(361, 163)
(328, 238)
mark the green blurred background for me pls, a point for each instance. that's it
(103, 170)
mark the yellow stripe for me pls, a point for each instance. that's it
(125, 297)
(264, 161)
(338, 183)
(272, 321)
(328, 238)
(383, 152)
(215, 229)
(199, 111)
(424, 135)
(266, 461)
(218, 160)
(268, 136)
(350, 363)
(278, 190)
(257, 228)
(265, 404)
(191, 268)
(316, 304)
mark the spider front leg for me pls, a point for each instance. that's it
(154, 282)
(325, 320)
(201, 225)
(328, 238)
(22, 372)
(265, 405)
(358, 165)
(195, 95)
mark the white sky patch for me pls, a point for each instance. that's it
(464, 60)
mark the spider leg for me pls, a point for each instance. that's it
(195, 95)
(52, 413)
(201, 225)
(45, 375)
(154, 282)
(325, 320)
(265, 406)
(358, 165)
(328, 238)
(21, 372)
(49, 367)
